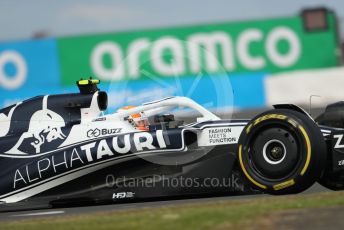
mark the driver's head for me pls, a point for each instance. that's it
(138, 120)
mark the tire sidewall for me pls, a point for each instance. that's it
(313, 151)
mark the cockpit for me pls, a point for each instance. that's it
(164, 114)
(142, 122)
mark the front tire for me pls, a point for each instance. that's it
(282, 151)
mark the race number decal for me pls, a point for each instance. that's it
(219, 136)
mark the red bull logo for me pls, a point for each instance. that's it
(44, 127)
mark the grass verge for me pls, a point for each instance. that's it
(205, 215)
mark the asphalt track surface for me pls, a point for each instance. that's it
(59, 212)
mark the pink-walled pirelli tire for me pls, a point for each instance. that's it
(281, 152)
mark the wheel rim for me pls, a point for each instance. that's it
(274, 151)
(274, 154)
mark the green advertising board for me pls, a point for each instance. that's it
(252, 46)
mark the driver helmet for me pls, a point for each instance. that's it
(138, 120)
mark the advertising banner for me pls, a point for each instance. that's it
(28, 68)
(219, 65)
(243, 47)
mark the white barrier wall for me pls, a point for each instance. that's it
(296, 87)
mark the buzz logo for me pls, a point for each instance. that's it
(93, 133)
(102, 132)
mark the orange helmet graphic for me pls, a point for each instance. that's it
(139, 120)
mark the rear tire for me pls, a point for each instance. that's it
(282, 151)
(332, 181)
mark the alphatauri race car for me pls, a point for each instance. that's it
(62, 150)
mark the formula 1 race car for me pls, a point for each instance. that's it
(61, 150)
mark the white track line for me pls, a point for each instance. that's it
(40, 213)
